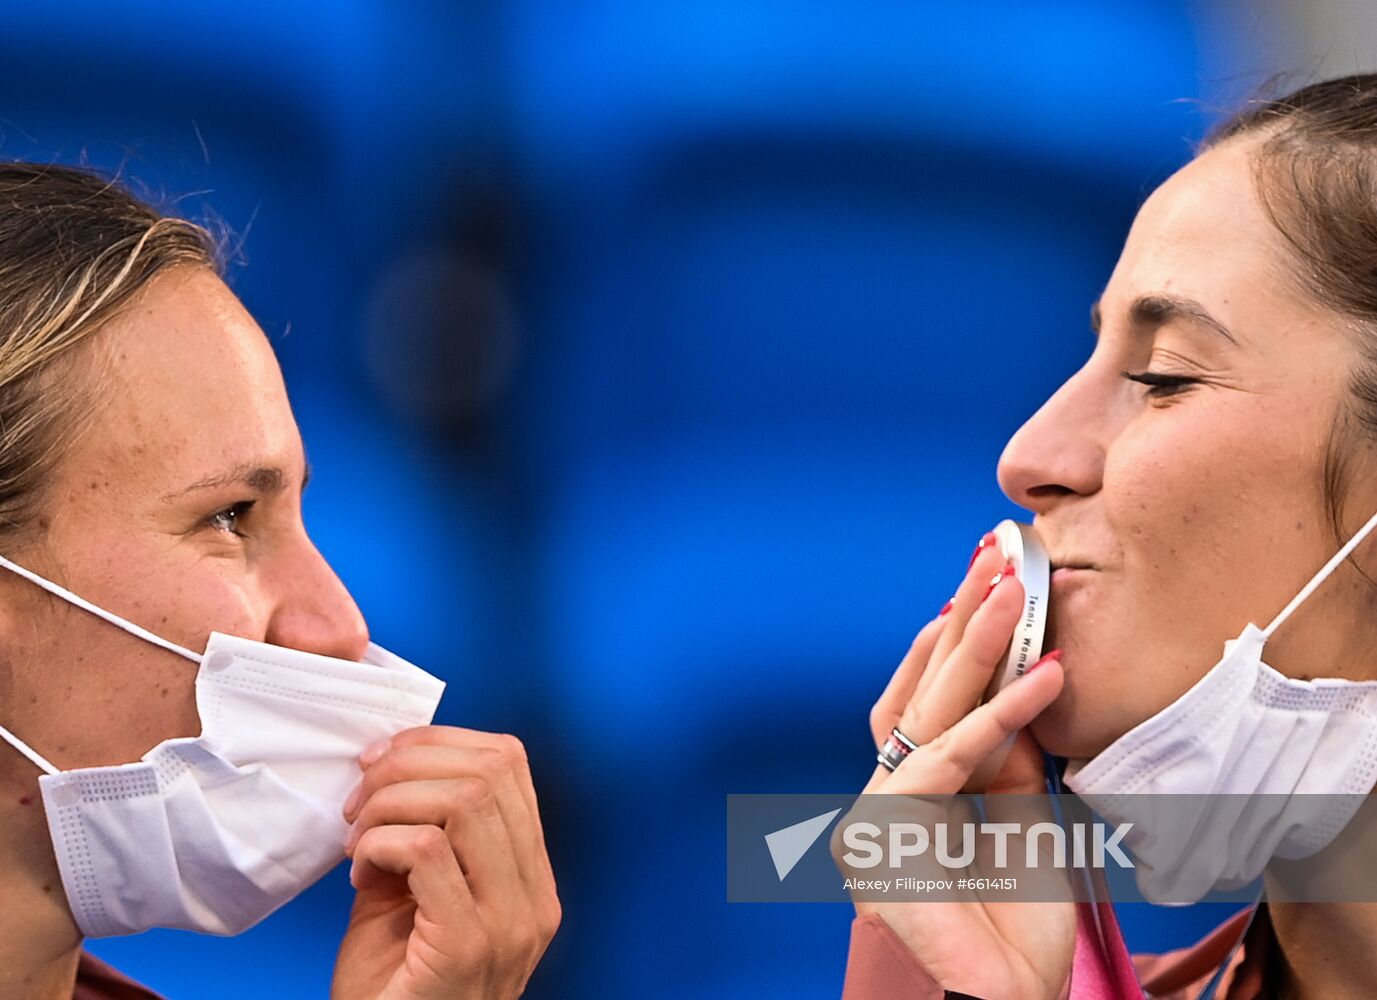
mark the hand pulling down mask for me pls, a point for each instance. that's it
(214, 832)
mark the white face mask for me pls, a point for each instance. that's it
(1243, 730)
(212, 833)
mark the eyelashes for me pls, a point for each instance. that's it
(1161, 384)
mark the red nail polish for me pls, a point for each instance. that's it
(1008, 570)
(987, 540)
(945, 608)
(1054, 655)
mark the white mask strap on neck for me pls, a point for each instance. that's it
(1319, 577)
(85, 605)
(40, 761)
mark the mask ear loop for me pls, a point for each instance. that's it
(41, 762)
(1319, 577)
(86, 605)
(71, 598)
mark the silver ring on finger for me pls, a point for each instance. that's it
(896, 748)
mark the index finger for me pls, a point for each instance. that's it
(987, 566)
(459, 737)
(904, 681)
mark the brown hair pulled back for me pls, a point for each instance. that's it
(1315, 173)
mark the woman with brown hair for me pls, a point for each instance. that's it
(1216, 450)
(150, 514)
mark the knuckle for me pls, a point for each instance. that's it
(430, 842)
(910, 722)
(964, 762)
(954, 752)
(551, 914)
(469, 794)
(455, 797)
(365, 820)
(366, 839)
(940, 745)
(493, 763)
(379, 797)
(512, 749)
(879, 714)
(1003, 717)
(372, 843)
(523, 940)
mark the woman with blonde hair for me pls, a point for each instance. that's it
(195, 723)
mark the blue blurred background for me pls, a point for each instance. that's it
(654, 360)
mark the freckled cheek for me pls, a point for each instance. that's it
(184, 607)
(1150, 501)
(199, 607)
(1172, 514)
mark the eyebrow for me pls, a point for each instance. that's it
(262, 479)
(1160, 309)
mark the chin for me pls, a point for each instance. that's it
(1065, 730)
(1053, 736)
(1074, 725)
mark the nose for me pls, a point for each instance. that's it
(1059, 452)
(314, 612)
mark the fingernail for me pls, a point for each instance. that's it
(352, 839)
(1054, 655)
(1008, 570)
(987, 540)
(352, 803)
(945, 608)
(374, 750)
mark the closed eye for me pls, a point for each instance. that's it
(1159, 383)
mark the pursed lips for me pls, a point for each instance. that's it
(1067, 573)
